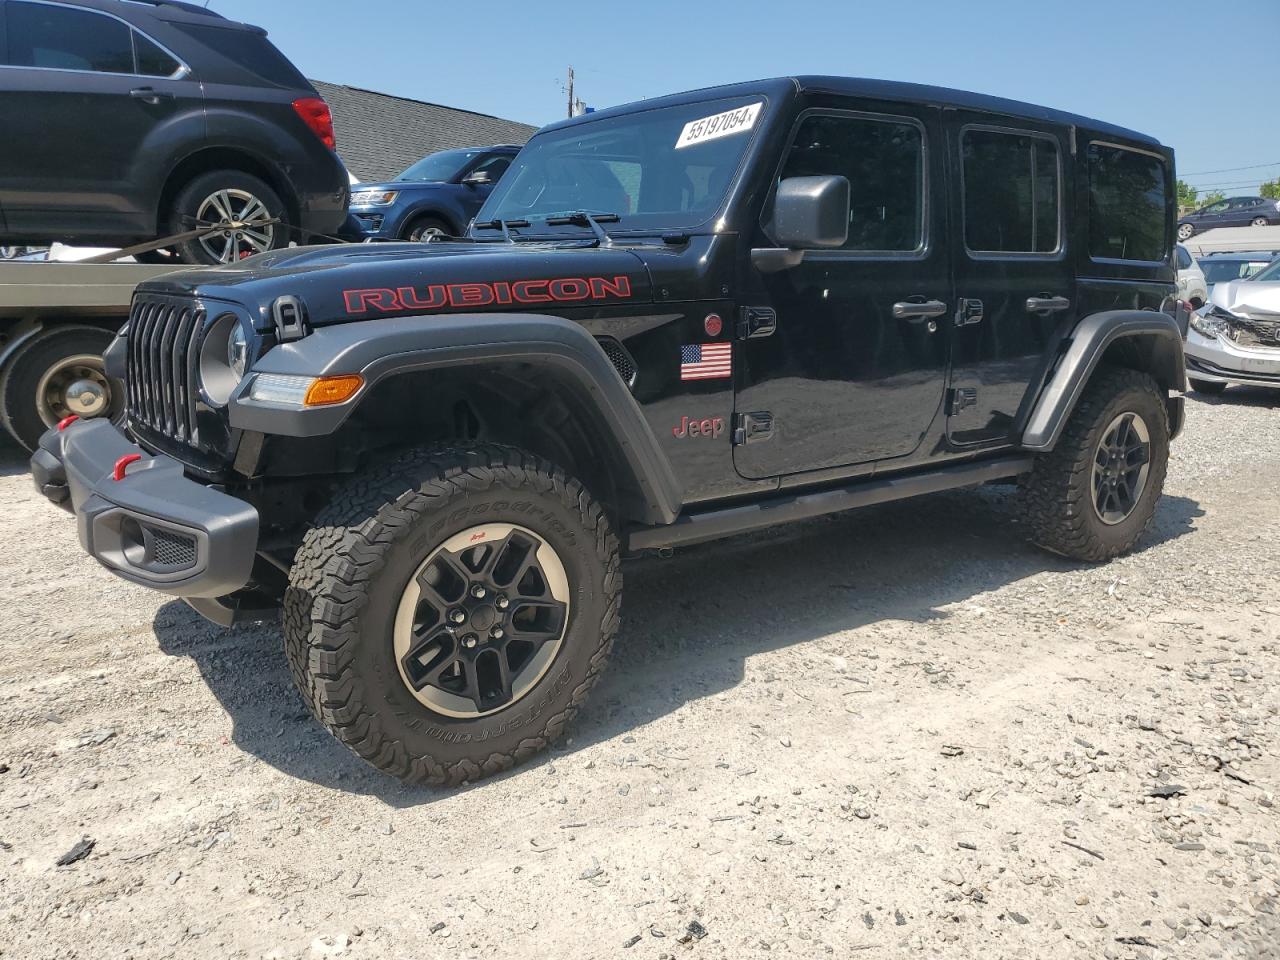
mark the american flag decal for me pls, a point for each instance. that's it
(706, 361)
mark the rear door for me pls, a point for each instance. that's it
(83, 92)
(1015, 284)
(855, 366)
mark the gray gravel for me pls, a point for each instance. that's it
(891, 733)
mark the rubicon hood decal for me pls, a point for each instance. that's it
(437, 296)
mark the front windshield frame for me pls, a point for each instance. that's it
(503, 204)
(467, 156)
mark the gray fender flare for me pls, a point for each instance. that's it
(1159, 341)
(378, 349)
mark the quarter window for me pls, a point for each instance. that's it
(1127, 205)
(1011, 192)
(64, 38)
(152, 60)
(883, 160)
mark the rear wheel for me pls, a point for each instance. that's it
(1185, 231)
(426, 228)
(1095, 494)
(450, 611)
(1260, 221)
(242, 204)
(1209, 388)
(54, 376)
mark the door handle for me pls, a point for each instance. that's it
(917, 311)
(1047, 304)
(150, 94)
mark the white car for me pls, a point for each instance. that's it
(1192, 286)
(1235, 337)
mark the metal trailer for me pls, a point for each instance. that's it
(56, 319)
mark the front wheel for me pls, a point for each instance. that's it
(449, 612)
(1095, 494)
(425, 229)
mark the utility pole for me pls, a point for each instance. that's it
(570, 92)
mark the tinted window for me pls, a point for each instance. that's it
(1184, 259)
(1127, 202)
(883, 160)
(1010, 192)
(495, 166)
(251, 52)
(439, 167)
(67, 39)
(152, 61)
(1219, 207)
(1271, 273)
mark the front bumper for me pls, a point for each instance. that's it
(1220, 361)
(154, 526)
(370, 223)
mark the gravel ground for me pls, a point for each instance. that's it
(894, 732)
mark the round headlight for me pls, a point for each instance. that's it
(237, 351)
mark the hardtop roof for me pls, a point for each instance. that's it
(873, 89)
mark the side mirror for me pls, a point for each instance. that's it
(809, 213)
(477, 178)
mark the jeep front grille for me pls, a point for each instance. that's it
(164, 353)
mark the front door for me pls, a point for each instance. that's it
(855, 366)
(1015, 286)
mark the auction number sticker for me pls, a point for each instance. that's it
(721, 125)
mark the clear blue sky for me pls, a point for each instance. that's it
(1155, 66)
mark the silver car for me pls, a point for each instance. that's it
(1235, 337)
(1192, 286)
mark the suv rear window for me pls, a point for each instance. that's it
(63, 38)
(249, 51)
(1127, 202)
(1010, 192)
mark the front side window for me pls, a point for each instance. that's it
(64, 38)
(1219, 207)
(883, 160)
(495, 166)
(1011, 192)
(661, 169)
(1128, 199)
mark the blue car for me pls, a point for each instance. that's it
(437, 195)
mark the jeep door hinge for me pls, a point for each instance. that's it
(290, 319)
(756, 322)
(958, 398)
(750, 427)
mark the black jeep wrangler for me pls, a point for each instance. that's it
(672, 321)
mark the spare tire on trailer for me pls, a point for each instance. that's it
(57, 374)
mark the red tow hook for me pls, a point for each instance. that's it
(123, 464)
(66, 422)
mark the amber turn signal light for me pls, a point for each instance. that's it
(330, 390)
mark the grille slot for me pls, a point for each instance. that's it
(164, 347)
(621, 359)
(169, 549)
(1255, 333)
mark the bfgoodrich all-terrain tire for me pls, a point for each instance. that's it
(450, 610)
(1094, 495)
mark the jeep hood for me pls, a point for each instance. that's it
(366, 281)
(1253, 299)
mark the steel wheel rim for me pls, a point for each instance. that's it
(1121, 464)
(66, 387)
(481, 620)
(254, 234)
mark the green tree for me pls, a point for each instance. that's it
(1270, 189)
(1213, 197)
(1186, 194)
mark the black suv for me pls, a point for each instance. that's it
(673, 321)
(123, 121)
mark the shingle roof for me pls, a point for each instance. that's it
(379, 135)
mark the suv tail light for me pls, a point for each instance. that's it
(315, 114)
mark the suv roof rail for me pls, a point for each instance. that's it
(181, 5)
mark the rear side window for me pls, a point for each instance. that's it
(1127, 203)
(883, 161)
(1184, 259)
(251, 52)
(64, 38)
(152, 60)
(1011, 192)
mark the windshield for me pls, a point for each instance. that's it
(1271, 273)
(660, 169)
(1220, 271)
(440, 167)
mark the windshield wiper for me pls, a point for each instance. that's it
(503, 225)
(581, 218)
